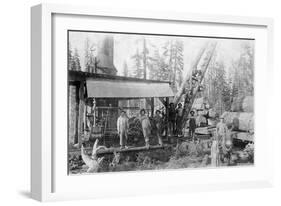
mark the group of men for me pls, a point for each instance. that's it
(175, 119)
(222, 141)
(123, 126)
(175, 123)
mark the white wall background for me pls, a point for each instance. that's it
(15, 101)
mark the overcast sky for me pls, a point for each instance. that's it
(125, 46)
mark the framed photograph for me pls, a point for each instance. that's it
(137, 102)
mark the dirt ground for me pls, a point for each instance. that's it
(186, 154)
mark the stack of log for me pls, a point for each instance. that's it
(240, 121)
(241, 117)
(243, 104)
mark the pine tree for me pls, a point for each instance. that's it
(76, 61)
(137, 70)
(144, 58)
(70, 57)
(242, 73)
(158, 69)
(173, 52)
(90, 60)
(217, 88)
(87, 54)
(125, 69)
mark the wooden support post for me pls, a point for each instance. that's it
(81, 111)
(77, 114)
(85, 117)
(152, 106)
(94, 110)
(167, 116)
(127, 150)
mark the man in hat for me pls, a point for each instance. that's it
(227, 144)
(171, 119)
(146, 126)
(222, 131)
(158, 120)
(122, 128)
(192, 124)
(179, 117)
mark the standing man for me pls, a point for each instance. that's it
(171, 119)
(146, 127)
(221, 130)
(221, 134)
(192, 125)
(122, 128)
(214, 152)
(227, 144)
(158, 123)
(179, 117)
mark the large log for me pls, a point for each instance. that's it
(112, 150)
(201, 130)
(244, 136)
(243, 121)
(203, 68)
(193, 66)
(195, 88)
(243, 104)
(248, 104)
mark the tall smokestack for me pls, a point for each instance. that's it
(105, 55)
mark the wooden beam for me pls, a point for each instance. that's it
(152, 106)
(81, 111)
(118, 150)
(77, 114)
(77, 76)
(167, 116)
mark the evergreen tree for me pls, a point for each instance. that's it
(76, 61)
(125, 69)
(173, 53)
(217, 88)
(87, 54)
(70, 57)
(242, 73)
(158, 69)
(90, 60)
(144, 58)
(137, 71)
(73, 59)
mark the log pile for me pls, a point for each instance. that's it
(243, 104)
(244, 136)
(240, 121)
(202, 130)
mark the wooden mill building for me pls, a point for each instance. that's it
(97, 97)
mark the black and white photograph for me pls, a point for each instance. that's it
(140, 101)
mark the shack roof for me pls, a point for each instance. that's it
(82, 76)
(127, 89)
